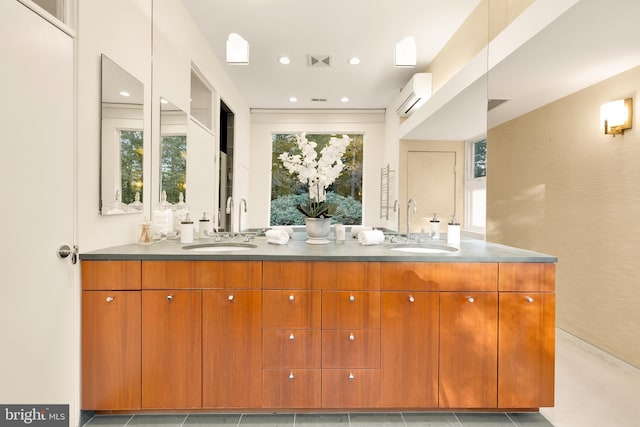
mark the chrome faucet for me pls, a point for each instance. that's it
(415, 210)
(229, 211)
(396, 208)
(242, 202)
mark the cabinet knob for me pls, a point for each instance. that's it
(169, 297)
(291, 297)
(352, 298)
(529, 299)
(351, 376)
(470, 299)
(351, 338)
(291, 377)
(109, 299)
(231, 297)
(411, 299)
(291, 337)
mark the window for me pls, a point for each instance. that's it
(476, 186)
(287, 191)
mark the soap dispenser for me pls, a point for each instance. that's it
(453, 231)
(204, 226)
(186, 229)
(434, 227)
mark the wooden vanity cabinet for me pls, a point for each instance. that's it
(526, 335)
(111, 335)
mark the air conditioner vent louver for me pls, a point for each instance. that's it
(414, 94)
(319, 61)
(319, 99)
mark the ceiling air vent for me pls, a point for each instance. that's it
(319, 99)
(319, 61)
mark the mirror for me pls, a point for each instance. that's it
(173, 148)
(122, 140)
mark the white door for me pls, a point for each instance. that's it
(37, 354)
(431, 181)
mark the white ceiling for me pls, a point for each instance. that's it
(368, 29)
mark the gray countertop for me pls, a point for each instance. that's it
(469, 250)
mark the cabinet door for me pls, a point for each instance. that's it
(354, 310)
(409, 372)
(468, 349)
(526, 350)
(231, 349)
(291, 388)
(171, 349)
(111, 350)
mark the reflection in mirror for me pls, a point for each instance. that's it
(173, 143)
(121, 155)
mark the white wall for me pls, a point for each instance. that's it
(122, 29)
(266, 122)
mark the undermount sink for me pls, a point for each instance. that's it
(219, 247)
(422, 248)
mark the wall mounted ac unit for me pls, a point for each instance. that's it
(414, 94)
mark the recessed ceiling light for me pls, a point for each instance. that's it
(293, 99)
(124, 93)
(344, 99)
(354, 60)
(284, 60)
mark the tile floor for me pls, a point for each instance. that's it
(593, 389)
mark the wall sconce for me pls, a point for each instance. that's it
(237, 50)
(616, 116)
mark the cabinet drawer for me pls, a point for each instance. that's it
(351, 349)
(201, 274)
(361, 276)
(527, 277)
(445, 276)
(108, 275)
(291, 309)
(350, 388)
(350, 310)
(292, 348)
(286, 275)
(291, 388)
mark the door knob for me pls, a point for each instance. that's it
(65, 250)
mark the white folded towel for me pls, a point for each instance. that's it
(370, 237)
(286, 228)
(277, 237)
(356, 229)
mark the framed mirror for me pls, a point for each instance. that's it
(122, 140)
(173, 148)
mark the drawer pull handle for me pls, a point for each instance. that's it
(231, 297)
(351, 337)
(291, 377)
(470, 299)
(351, 377)
(291, 337)
(352, 298)
(529, 299)
(169, 297)
(291, 298)
(411, 299)
(109, 299)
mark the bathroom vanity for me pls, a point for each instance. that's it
(307, 328)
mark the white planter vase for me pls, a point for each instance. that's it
(318, 230)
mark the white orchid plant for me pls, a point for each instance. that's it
(317, 173)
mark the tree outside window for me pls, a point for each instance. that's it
(287, 191)
(131, 152)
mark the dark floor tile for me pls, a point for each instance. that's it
(376, 420)
(267, 420)
(212, 420)
(529, 419)
(430, 420)
(108, 420)
(322, 420)
(484, 420)
(169, 420)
